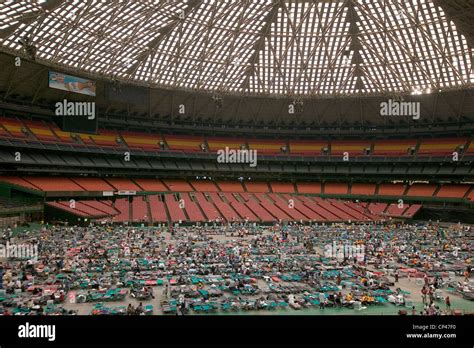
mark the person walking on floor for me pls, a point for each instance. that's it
(447, 300)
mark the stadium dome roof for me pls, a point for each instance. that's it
(270, 48)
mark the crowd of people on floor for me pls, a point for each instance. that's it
(210, 268)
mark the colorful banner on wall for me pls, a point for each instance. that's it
(71, 83)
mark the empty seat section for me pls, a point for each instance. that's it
(244, 212)
(342, 215)
(86, 139)
(93, 184)
(288, 207)
(175, 211)
(3, 132)
(14, 127)
(225, 209)
(412, 210)
(313, 205)
(312, 187)
(299, 205)
(123, 207)
(271, 208)
(103, 206)
(65, 137)
(266, 146)
(157, 209)
(87, 209)
(151, 185)
(282, 187)
(470, 196)
(393, 147)
(178, 185)
(391, 189)
(65, 207)
(453, 191)
(19, 182)
(41, 131)
(336, 188)
(207, 207)
(358, 208)
(377, 208)
(307, 147)
(193, 211)
(230, 186)
(259, 211)
(141, 140)
(440, 147)
(184, 143)
(354, 214)
(139, 209)
(421, 190)
(363, 189)
(204, 186)
(216, 144)
(54, 184)
(353, 148)
(253, 186)
(123, 184)
(105, 138)
(395, 210)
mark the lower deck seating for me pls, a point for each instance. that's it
(157, 209)
(140, 209)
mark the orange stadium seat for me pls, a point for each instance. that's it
(336, 188)
(282, 187)
(204, 186)
(123, 184)
(312, 187)
(216, 144)
(253, 186)
(421, 190)
(353, 148)
(307, 147)
(453, 191)
(13, 126)
(54, 184)
(41, 131)
(177, 185)
(151, 185)
(64, 137)
(184, 143)
(391, 189)
(93, 184)
(393, 147)
(266, 146)
(105, 138)
(440, 146)
(230, 186)
(19, 182)
(141, 140)
(363, 189)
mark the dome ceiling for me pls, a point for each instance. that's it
(269, 48)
